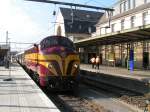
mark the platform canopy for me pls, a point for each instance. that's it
(136, 34)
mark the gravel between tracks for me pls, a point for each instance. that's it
(78, 104)
(139, 101)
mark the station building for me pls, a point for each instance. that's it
(76, 24)
(126, 37)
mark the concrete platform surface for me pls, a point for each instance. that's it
(118, 71)
(22, 94)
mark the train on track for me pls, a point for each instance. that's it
(53, 63)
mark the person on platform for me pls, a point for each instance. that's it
(6, 61)
(92, 61)
(97, 60)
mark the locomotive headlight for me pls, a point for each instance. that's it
(75, 65)
(50, 66)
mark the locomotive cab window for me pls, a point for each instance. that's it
(66, 43)
(56, 41)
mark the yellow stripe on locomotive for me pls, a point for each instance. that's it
(45, 60)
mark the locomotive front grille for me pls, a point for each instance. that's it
(64, 66)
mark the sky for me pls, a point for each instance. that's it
(29, 22)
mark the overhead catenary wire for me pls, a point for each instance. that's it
(16, 43)
(95, 1)
(73, 4)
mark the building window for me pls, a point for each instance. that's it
(112, 14)
(122, 24)
(145, 18)
(113, 28)
(105, 30)
(129, 4)
(133, 1)
(125, 5)
(132, 21)
(121, 6)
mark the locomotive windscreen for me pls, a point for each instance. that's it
(56, 41)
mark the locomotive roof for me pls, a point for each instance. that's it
(32, 48)
(54, 36)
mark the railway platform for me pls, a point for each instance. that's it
(137, 80)
(18, 93)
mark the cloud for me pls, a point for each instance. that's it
(21, 26)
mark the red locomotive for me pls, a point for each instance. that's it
(53, 62)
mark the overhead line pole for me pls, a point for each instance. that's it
(73, 4)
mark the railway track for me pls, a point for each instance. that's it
(68, 102)
(130, 97)
(73, 103)
(117, 91)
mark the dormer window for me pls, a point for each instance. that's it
(88, 16)
(71, 14)
(89, 29)
(129, 4)
(80, 27)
